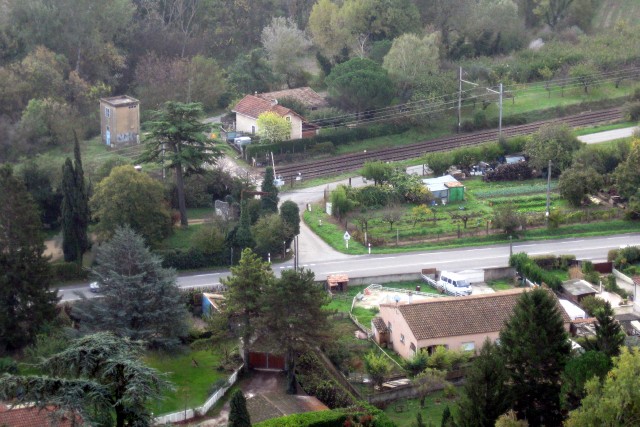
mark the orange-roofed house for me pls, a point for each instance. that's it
(31, 416)
(457, 323)
(251, 106)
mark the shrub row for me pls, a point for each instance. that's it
(532, 271)
(625, 256)
(336, 137)
(360, 414)
(551, 262)
(66, 271)
(191, 259)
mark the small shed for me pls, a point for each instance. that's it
(380, 331)
(120, 121)
(337, 282)
(445, 187)
(576, 290)
(211, 303)
(572, 310)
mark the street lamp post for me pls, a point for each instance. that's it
(510, 246)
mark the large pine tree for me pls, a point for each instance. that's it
(26, 302)
(75, 209)
(485, 394)
(609, 334)
(140, 299)
(535, 347)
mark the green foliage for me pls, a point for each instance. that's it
(269, 201)
(377, 366)
(66, 271)
(75, 209)
(506, 217)
(243, 238)
(577, 182)
(609, 335)
(309, 419)
(96, 377)
(273, 128)
(140, 299)
(251, 72)
(632, 111)
(627, 174)
(372, 196)
(177, 140)
(269, 233)
(38, 179)
(613, 401)
(510, 172)
(532, 271)
(446, 359)
(552, 142)
(26, 301)
(116, 202)
(416, 364)
(592, 304)
(313, 378)
(535, 348)
(377, 170)
(341, 204)
(238, 414)
(192, 259)
(359, 85)
(290, 214)
(485, 394)
(578, 371)
(426, 381)
(8, 365)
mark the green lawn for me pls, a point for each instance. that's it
(500, 285)
(403, 412)
(603, 128)
(181, 237)
(192, 384)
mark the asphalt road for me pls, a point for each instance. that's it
(594, 249)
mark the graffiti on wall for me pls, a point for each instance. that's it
(127, 137)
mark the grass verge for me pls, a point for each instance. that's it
(404, 412)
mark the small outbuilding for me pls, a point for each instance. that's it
(576, 290)
(120, 121)
(337, 282)
(446, 188)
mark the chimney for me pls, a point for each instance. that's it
(274, 102)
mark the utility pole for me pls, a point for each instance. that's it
(548, 191)
(460, 81)
(500, 109)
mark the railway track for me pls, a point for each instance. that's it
(354, 161)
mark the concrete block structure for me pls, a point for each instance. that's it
(120, 121)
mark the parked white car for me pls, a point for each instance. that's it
(94, 287)
(453, 284)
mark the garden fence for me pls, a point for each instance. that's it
(200, 410)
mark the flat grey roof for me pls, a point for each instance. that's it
(119, 101)
(578, 287)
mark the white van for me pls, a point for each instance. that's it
(453, 284)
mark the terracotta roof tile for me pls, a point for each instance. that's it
(304, 95)
(455, 316)
(378, 323)
(252, 106)
(30, 416)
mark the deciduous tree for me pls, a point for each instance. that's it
(577, 182)
(552, 142)
(286, 45)
(535, 349)
(270, 232)
(140, 299)
(26, 302)
(627, 174)
(177, 140)
(290, 214)
(129, 197)
(377, 170)
(427, 381)
(578, 371)
(377, 366)
(614, 401)
(272, 127)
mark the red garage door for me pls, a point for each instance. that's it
(266, 361)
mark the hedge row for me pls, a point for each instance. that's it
(66, 271)
(552, 262)
(191, 259)
(625, 256)
(340, 136)
(316, 381)
(532, 271)
(363, 413)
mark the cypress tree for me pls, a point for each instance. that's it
(26, 301)
(238, 413)
(75, 209)
(244, 238)
(269, 203)
(536, 348)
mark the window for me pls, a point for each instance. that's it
(288, 118)
(402, 338)
(107, 112)
(389, 326)
(468, 346)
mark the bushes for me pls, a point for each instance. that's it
(552, 262)
(361, 414)
(337, 137)
(592, 304)
(532, 271)
(510, 172)
(625, 256)
(631, 111)
(190, 259)
(8, 365)
(313, 379)
(66, 271)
